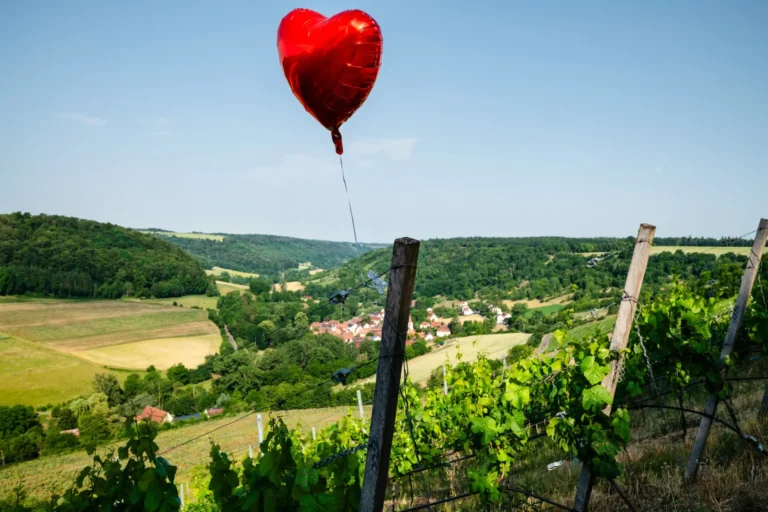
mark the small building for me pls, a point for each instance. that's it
(424, 325)
(214, 411)
(433, 317)
(74, 431)
(443, 331)
(429, 337)
(155, 415)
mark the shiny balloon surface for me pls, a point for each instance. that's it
(331, 63)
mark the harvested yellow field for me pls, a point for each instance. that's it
(717, 251)
(495, 346)
(32, 374)
(316, 271)
(536, 303)
(469, 318)
(51, 349)
(187, 301)
(225, 288)
(217, 271)
(290, 286)
(200, 236)
(162, 353)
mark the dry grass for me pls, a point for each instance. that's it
(290, 286)
(162, 353)
(217, 271)
(40, 475)
(226, 288)
(468, 318)
(32, 374)
(717, 251)
(201, 236)
(54, 345)
(495, 346)
(187, 301)
(536, 303)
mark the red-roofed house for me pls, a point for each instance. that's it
(424, 325)
(443, 331)
(214, 412)
(153, 414)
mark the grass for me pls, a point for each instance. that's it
(201, 236)
(217, 271)
(717, 251)
(187, 301)
(290, 286)
(162, 353)
(536, 303)
(226, 288)
(32, 374)
(40, 475)
(51, 349)
(604, 325)
(495, 346)
(547, 310)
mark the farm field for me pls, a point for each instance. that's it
(51, 349)
(547, 310)
(187, 301)
(162, 353)
(200, 236)
(225, 288)
(536, 303)
(687, 249)
(32, 374)
(217, 271)
(290, 286)
(495, 346)
(37, 476)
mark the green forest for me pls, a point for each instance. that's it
(267, 254)
(69, 257)
(535, 268)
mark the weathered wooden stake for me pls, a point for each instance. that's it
(405, 255)
(620, 339)
(314, 435)
(737, 320)
(445, 382)
(181, 495)
(360, 404)
(260, 429)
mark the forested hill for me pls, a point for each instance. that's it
(266, 254)
(69, 257)
(527, 268)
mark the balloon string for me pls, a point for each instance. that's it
(349, 202)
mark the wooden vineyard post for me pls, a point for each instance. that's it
(620, 339)
(737, 320)
(405, 255)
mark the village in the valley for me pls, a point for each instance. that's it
(357, 329)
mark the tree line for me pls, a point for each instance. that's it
(69, 257)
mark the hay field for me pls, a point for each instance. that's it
(187, 301)
(217, 271)
(162, 353)
(51, 349)
(717, 251)
(495, 346)
(536, 303)
(290, 286)
(201, 236)
(32, 374)
(225, 288)
(37, 476)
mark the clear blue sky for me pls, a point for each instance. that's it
(488, 118)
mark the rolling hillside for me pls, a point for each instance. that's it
(69, 257)
(264, 254)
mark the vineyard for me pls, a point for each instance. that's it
(482, 439)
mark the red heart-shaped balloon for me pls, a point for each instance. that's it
(331, 63)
